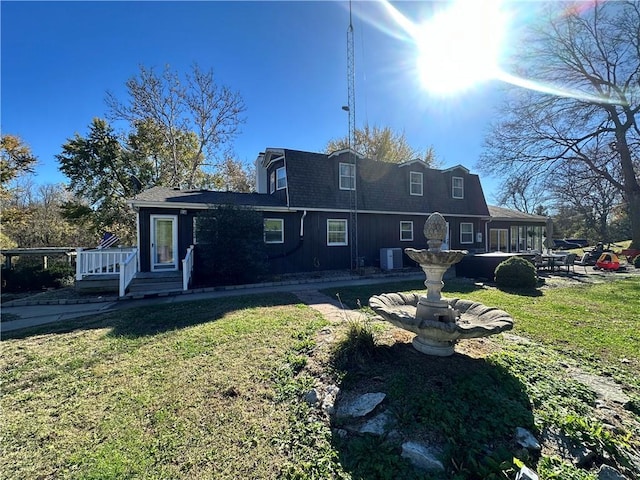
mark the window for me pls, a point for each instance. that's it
(337, 232)
(273, 230)
(272, 182)
(406, 231)
(281, 178)
(347, 176)
(498, 239)
(466, 233)
(457, 187)
(415, 183)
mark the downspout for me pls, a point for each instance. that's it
(304, 214)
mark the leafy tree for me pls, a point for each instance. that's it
(35, 217)
(15, 159)
(586, 65)
(101, 171)
(185, 122)
(382, 144)
(233, 175)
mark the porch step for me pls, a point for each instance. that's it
(149, 283)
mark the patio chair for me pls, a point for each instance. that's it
(569, 262)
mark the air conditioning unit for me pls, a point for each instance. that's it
(390, 258)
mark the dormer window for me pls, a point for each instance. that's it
(347, 176)
(272, 182)
(457, 187)
(281, 178)
(415, 183)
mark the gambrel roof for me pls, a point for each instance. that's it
(312, 180)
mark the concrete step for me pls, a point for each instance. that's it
(145, 286)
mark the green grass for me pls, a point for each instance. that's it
(186, 391)
(213, 389)
(591, 322)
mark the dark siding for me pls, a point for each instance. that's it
(185, 234)
(279, 194)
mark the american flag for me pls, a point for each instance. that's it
(108, 240)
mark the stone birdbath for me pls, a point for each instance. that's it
(438, 322)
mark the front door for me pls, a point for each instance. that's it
(164, 243)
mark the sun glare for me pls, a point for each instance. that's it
(459, 46)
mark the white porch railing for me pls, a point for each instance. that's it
(187, 268)
(119, 261)
(128, 270)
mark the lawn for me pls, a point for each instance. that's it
(213, 389)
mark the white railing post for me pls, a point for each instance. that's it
(78, 264)
(187, 268)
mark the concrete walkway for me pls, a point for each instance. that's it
(35, 315)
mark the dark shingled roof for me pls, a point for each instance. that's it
(205, 197)
(312, 180)
(501, 213)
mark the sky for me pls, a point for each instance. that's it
(288, 61)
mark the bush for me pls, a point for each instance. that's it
(31, 278)
(515, 272)
(231, 247)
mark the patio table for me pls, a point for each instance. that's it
(554, 259)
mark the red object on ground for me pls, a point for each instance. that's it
(608, 261)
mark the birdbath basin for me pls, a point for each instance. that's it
(438, 322)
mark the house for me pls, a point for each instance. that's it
(514, 231)
(334, 211)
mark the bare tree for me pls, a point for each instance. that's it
(194, 117)
(581, 104)
(523, 193)
(594, 199)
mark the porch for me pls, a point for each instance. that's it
(118, 270)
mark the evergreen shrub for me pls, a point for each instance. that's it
(29, 278)
(515, 272)
(230, 247)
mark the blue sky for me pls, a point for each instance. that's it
(287, 60)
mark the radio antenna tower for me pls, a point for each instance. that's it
(351, 109)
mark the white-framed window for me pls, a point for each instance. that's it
(498, 240)
(337, 232)
(272, 182)
(281, 178)
(273, 230)
(347, 176)
(466, 232)
(406, 231)
(415, 183)
(457, 187)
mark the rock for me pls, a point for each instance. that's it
(361, 406)
(329, 399)
(526, 439)
(609, 473)
(377, 425)
(605, 388)
(311, 397)
(526, 473)
(567, 448)
(422, 457)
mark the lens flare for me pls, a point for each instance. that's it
(463, 45)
